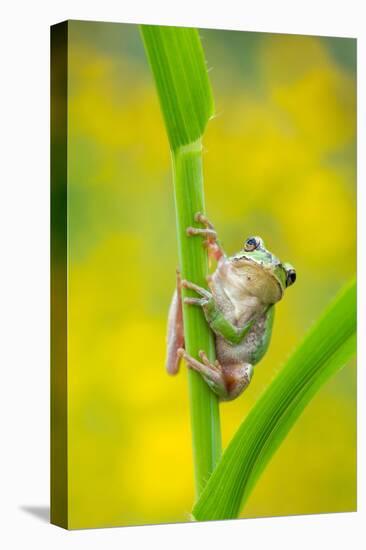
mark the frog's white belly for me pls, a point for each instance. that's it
(237, 296)
(235, 293)
(244, 306)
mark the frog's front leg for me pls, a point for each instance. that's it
(212, 372)
(214, 316)
(215, 250)
(205, 294)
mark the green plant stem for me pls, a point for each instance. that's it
(205, 420)
(177, 62)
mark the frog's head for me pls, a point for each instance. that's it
(266, 276)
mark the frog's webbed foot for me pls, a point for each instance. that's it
(227, 382)
(210, 236)
(205, 294)
(212, 372)
(209, 229)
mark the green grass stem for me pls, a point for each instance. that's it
(178, 65)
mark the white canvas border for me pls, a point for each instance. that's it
(25, 270)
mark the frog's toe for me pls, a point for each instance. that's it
(192, 286)
(193, 301)
(181, 352)
(204, 232)
(205, 360)
(198, 217)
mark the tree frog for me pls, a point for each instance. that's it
(238, 306)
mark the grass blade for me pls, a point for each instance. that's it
(327, 347)
(178, 65)
(177, 60)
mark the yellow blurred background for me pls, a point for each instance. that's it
(279, 162)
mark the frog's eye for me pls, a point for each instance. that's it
(290, 277)
(251, 244)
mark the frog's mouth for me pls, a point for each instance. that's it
(260, 279)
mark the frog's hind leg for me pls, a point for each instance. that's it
(237, 378)
(212, 372)
(175, 337)
(227, 382)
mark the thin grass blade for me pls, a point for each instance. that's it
(324, 351)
